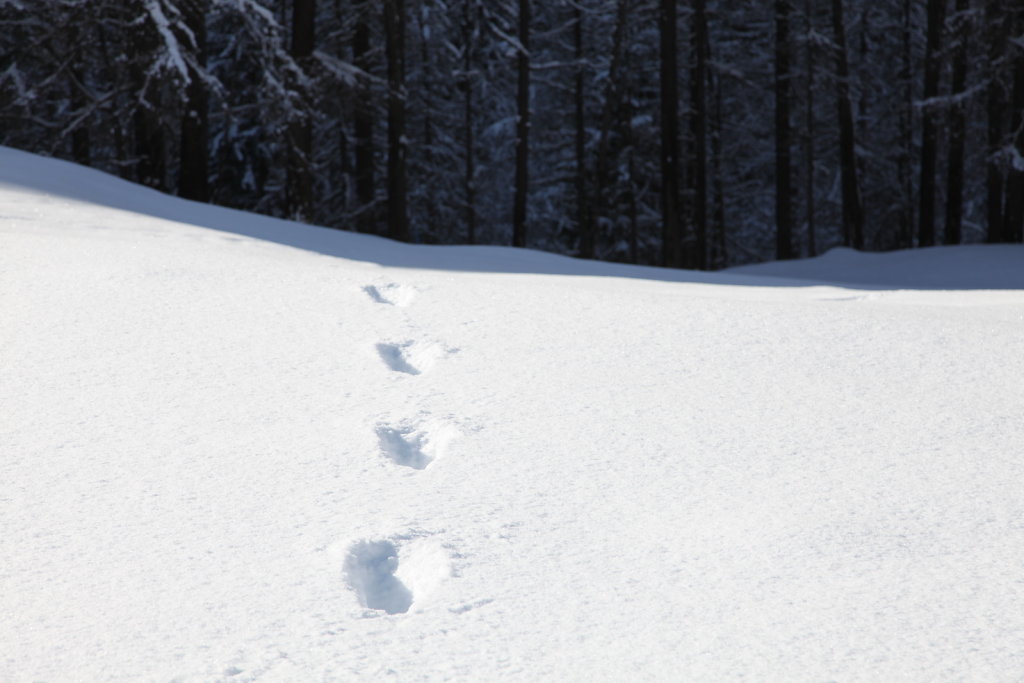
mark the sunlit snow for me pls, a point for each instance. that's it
(236, 448)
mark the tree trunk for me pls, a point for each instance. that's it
(583, 226)
(906, 130)
(612, 104)
(299, 189)
(1013, 226)
(634, 222)
(469, 178)
(427, 145)
(957, 132)
(699, 129)
(394, 30)
(853, 210)
(995, 31)
(81, 148)
(522, 127)
(193, 178)
(366, 191)
(812, 246)
(929, 134)
(783, 171)
(147, 132)
(720, 255)
(671, 234)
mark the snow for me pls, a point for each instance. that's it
(235, 448)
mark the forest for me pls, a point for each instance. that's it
(682, 133)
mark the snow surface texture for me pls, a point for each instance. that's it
(234, 448)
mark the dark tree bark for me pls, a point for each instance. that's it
(957, 132)
(812, 245)
(299, 189)
(719, 255)
(81, 147)
(996, 34)
(150, 144)
(522, 127)
(853, 210)
(783, 166)
(466, 83)
(906, 130)
(634, 222)
(929, 126)
(1013, 227)
(427, 144)
(148, 135)
(699, 124)
(583, 226)
(394, 29)
(193, 178)
(81, 142)
(611, 107)
(366, 189)
(671, 233)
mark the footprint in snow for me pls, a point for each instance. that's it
(392, 294)
(415, 445)
(370, 571)
(385, 576)
(411, 357)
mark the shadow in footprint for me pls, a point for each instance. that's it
(404, 446)
(391, 294)
(412, 357)
(415, 444)
(370, 572)
(393, 356)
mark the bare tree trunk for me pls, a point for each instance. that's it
(1013, 226)
(699, 128)
(634, 228)
(783, 170)
(299, 190)
(366, 192)
(957, 132)
(151, 165)
(522, 127)
(147, 132)
(81, 146)
(125, 171)
(671, 233)
(906, 130)
(853, 210)
(812, 246)
(929, 133)
(193, 178)
(394, 30)
(469, 177)
(427, 95)
(995, 31)
(612, 103)
(720, 255)
(583, 226)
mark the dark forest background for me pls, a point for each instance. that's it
(693, 133)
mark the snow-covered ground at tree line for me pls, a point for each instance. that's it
(236, 448)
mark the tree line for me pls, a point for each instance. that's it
(684, 133)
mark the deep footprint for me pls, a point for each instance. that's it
(415, 446)
(370, 573)
(391, 294)
(411, 358)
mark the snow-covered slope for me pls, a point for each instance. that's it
(234, 448)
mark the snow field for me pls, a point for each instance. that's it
(225, 458)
